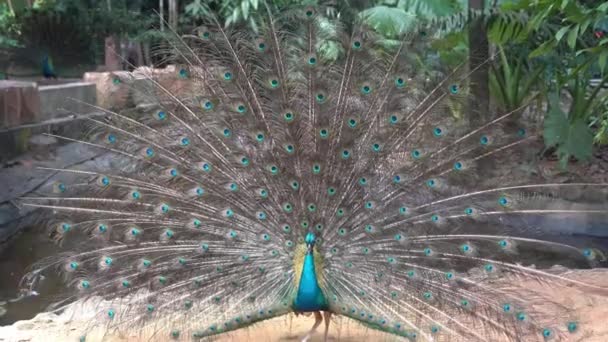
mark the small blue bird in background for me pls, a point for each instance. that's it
(48, 71)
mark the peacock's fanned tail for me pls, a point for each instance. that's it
(424, 222)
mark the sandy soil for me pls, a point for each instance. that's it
(47, 328)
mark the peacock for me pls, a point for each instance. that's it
(271, 177)
(48, 71)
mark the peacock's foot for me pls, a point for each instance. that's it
(318, 320)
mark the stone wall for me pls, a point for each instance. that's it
(66, 99)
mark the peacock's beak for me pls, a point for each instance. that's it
(309, 247)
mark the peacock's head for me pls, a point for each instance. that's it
(310, 241)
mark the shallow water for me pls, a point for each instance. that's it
(30, 246)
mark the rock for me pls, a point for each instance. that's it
(43, 140)
(120, 95)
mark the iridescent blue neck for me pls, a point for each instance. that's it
(310, 297)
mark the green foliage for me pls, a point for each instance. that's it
(571, 133)
(390, 22)
(7, 28)
(512, 82)
(601, 135)
(508, 28)
(431, 9)
(453, 48)
(232, 12)
(570, 137)
(553, 27)
(567, 38)
(328, 47)
(72, 32)
(392, 18)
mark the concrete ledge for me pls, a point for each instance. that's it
(62, 99)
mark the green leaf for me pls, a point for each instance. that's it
(555, 125)
(579, 141)
(585, 25)
(430, 9)
(388, 21)
(573, 36)
(245, 8)
(570, 138)
(560, 34)
(543, 48)
(539, 18)
(601, 60)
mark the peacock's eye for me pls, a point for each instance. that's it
(288, 116)
(484, 140)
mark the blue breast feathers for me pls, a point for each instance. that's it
(310, 297)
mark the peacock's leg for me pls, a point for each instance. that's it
(318, 320)
(326, 317)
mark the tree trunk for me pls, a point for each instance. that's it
(140, 54)
(161, 14)
(173, 14)
(479, 104)
(479, 99)
(147, 57)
